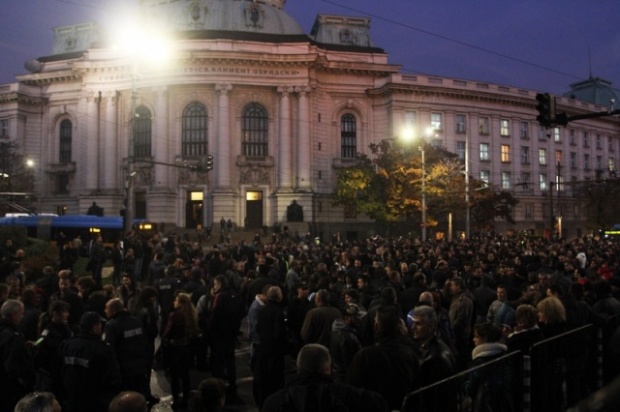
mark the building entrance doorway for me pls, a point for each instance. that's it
(254, 210)
(193, 209)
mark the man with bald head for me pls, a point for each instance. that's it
(125, 335)
(128, 401)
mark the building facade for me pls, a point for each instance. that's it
(281, 112)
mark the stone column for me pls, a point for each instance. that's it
(304, 144)
(285, 169)
(110, 143)
(222, 146)
(160, 136)
(92, 144)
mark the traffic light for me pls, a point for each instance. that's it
(546, 109)
(209, 163)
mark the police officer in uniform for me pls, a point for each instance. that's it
(125, 335)
(91, 373)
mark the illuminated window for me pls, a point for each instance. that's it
(505, 153)
(506, 180)
(542, 156)
(436, 121)
(504, 127)
(542, 179)
(485, 176)
(484, 151)
(557, 137)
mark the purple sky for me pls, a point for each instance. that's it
(533, 44)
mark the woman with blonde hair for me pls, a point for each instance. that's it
(551, 316)
(181, 329)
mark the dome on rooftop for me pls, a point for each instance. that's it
(258, 16)
(594, 90)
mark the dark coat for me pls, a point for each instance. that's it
(91, 374)
(389, 367)
(16, 370)
(306, 392)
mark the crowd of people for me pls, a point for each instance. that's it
(367, 321)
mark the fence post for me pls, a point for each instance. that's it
(527, 382)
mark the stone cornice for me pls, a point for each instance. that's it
(15, 97)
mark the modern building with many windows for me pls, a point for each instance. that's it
(281, 111)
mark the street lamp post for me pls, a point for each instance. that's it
(423, 224)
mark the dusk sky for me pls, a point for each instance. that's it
(531, 44)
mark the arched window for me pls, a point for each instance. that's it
(348, 136)
(65, 139)
(194, 136)
(142, 132)
(254, 131)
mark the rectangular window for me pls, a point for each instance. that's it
(461, 127)
(4, 128)
(505, 180)
(524, 130)
(436, 122)
(586, 161)
(599, 162)
(610, 144)
(559, 183)
(599, 141)
(525, 155)
(485, 176)
(542, 179)
(409, 120)
(528, 210)
(558, 157)
(611, 164)
(460, 150)
(525, 180)
(557, 137)
(483, 125)
(437, 143)
(573, 160)
(542, 157)
(586, 140)
(505, 153)
(572, 137)
(484, 151)
(543, 134)
(504, 127)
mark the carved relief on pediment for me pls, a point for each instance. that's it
(255, 176)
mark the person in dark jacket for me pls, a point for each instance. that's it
(227, 310)
(313, 389)
(271, 329)
(344, 342)
(181, 329)
(390, 366)
(91, 374)
(437, 362)
(527, 332)
(16, 370)
(125, 335)
(48, 360)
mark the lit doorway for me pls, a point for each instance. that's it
(254, 210)
(193, 209)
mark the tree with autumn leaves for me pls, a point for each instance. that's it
(387, 186)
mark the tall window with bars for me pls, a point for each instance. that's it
(254, 131)
(348, 136)
(194, 135)
(65, 141)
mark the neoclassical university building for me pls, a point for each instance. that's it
(280, 111)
